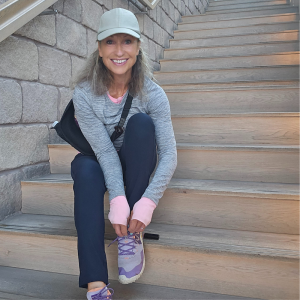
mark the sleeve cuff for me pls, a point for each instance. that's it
(143, 210)
(119, 211)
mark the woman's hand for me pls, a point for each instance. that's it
(135, 225)
(121, 230)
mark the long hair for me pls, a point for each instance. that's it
(100, 78)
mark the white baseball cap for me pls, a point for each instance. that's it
(118, 20)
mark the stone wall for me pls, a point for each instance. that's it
(37, 63)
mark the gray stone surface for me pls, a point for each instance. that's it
(54, 66)
(91, 13)
(71, 36)
(39, 102)
(10, 187)
(10, 101)
(72, 9)
(159, 52)
(158, 34)
(23, 145)
(107, 3)
(65, 97)
(77, 65)
(19, 59)
(59, 5)
(148, 27)
(120, 3)
(40, 28)
(92, 44)
(152, 50)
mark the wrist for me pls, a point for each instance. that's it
(119, 211)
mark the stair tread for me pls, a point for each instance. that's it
(240, 18)
(171, 236)
(64, 286)
(246, 188)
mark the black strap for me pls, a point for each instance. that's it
(119, 128)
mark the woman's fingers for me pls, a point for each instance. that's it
(120, 229)
(136, 226)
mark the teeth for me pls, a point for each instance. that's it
(119, 61)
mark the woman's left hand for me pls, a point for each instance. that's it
(135, 225)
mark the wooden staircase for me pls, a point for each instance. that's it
(229, 220)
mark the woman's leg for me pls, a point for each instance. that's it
(89, 189)
(138, 156)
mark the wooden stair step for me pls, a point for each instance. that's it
(250, 10)
(214, 162)
(41, 285)
(201, 259)
(288, 17)
(229, 75)
(247, 5)
(282, 59)
(251, 206)
(240, 14)
(232, 50)
(241, 30)
(285, 36)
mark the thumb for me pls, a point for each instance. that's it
(132, 226)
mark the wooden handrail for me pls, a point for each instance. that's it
(16, 13)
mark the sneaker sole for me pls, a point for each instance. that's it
(124, 280)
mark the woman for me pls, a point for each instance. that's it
(119, 67)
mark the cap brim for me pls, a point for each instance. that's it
(109, 32)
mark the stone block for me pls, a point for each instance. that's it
(159, 51)
(54, 66)
(19, 59)
(167, 37)
(91, 13)
(171, 11)
(155, 66)
(77, 65)
(187, 11)
(152, 13)
(71, 36)
(59, 5)
(182, 8)
(148, 27)
(192, 7)
(39, 102)
(107, 3)
(23, 145)
(140, 17)
(120, 3)
(72, 9)
(40, 28)
(177, 16)
(165, 5)
(65, 97)
(145, 43)
(158, 34)
(152, 50)
(92, 43)
(10, 101)
(170, 26)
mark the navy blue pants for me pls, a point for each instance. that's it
(138, 159)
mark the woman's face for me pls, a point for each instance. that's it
(119, 52)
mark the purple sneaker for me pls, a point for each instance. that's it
(131, 258)
(103, 294)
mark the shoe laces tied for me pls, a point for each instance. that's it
(127, 242)
(101, 295)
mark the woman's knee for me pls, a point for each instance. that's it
(141, 124)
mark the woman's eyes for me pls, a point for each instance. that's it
(110, 42)
(128, 42)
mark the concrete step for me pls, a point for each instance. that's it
(217, 100)
(241, 30)
(285, 36)
(235, 2)
(230, 51)
(282, 59)
(243, 129)
(246, 5)
(240, 14)
(229, 75)
(49, 285)
(282, 18)
(206, 260)
(250, 206)
(215, 162)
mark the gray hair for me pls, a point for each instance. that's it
(100, 78)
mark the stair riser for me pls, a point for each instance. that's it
(224, 8)
(240, 165)
(236, 40)
(234, 2)
(287, 59)
(249, 165)
(236, 15)
(240, 22)
(181, 207)
(229, 75)
(239, 50)
(237, 130)
(254, 29)
(169, 267)
(234, 101)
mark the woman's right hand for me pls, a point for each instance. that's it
(121, 230)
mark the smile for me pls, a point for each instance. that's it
(119, 62)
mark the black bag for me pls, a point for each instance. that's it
(69, 130)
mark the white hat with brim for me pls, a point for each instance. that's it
(118, 20)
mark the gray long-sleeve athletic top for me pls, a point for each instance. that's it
(98, 115)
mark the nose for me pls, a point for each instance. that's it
(119, 49)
